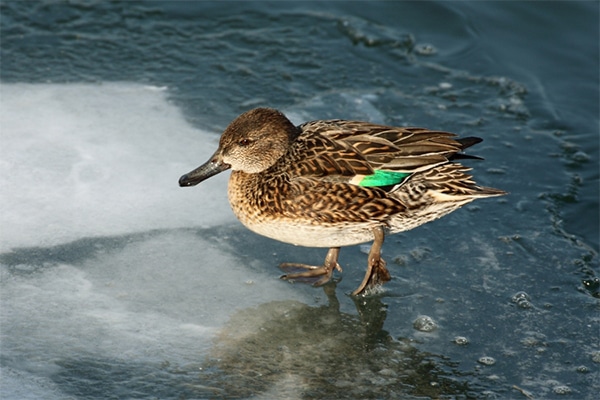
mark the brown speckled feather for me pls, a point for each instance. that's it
(338, 147)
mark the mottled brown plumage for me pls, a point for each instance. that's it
(337, 183)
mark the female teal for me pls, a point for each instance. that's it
(338, 183)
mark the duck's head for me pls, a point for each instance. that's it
(253, 142)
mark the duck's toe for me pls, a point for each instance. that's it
(377, 274)
(311, 272)
(315, 275)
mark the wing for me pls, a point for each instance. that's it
(366, 154)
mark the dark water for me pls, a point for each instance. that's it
(517, 276)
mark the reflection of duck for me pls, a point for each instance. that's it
(287, 349)
(338, 183)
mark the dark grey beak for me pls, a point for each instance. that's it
(205, 171)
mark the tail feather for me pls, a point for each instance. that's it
(466, 142)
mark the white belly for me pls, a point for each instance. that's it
(309, 235)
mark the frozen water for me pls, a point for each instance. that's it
(94, 263)
(80, 160)
(425, 323)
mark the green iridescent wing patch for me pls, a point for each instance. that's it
(384, 178)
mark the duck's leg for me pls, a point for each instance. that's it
(325, 270)
(377, 273)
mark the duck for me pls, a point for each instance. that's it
(337, 183)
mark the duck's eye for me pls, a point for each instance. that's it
(244, 142)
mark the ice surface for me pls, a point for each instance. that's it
(90, 160)
(102, 261)
(153, 293)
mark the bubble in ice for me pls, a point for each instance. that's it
(425, 49)
(487, 360)
(461, 340)
(580, 156)
(561, 389)
(425, 324)
(522, 300)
